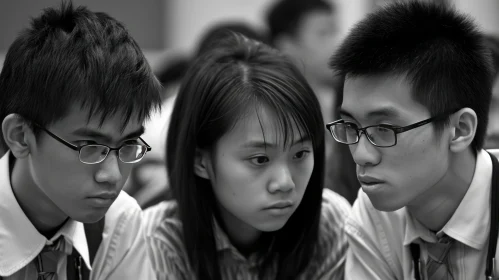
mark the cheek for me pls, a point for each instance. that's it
(415, 162)
(302, 173)
(232, 177)
(126, 169)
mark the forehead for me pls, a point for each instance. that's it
(264, 125)
(112, 126)
(387, 94)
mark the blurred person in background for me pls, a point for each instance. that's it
(307, 31)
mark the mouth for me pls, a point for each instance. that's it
(280, 208)
(368, 180)
(102, 200)
(280, 205)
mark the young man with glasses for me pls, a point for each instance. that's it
(414, 114)
(75, 90)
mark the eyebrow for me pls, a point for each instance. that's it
(263, 144)
(388, 112)
(92, 133)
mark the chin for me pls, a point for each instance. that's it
(273, 225)
(89, 217)
(385, 204)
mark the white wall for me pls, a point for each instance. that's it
(485, 12)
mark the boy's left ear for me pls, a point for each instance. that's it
(463, 123)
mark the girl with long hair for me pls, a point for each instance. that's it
(245, 160)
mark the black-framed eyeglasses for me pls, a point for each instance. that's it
(97, 153)
(381, 135)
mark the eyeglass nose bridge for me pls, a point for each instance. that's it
(361, 131)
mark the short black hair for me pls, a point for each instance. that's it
(440, 51)
(74, 56)
(492, 42)
(284, 17)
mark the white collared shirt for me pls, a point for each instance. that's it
(121, 255)
(379, 241)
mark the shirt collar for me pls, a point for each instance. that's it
(468, 227)
(223, 244)
(221, 239)
(20, 241)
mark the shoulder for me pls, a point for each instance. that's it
(122, 239)
(164, 238)
(163, 227)
(335, 208)
(335, 211)
(330, 251)
(125, 211)
(123, 222)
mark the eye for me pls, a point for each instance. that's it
(301, 154)
(381, 129)
(84, 142)
(351, 125)
(259, 160)
(132, 142)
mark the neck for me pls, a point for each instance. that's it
(243, 236)
(45, 216)
(435, 207)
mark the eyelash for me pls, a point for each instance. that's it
(304, 153)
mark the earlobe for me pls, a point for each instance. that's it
(201, 162)
(464, 124)
(14, 131)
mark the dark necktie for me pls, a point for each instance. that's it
(46, 262)
(437, 266)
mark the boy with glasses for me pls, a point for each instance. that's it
(75, 90)
(414, 114)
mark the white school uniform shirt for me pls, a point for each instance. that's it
(121, 255)
(379, 241)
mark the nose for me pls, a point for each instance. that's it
(364, 152)
(281, 180)
(109, 170)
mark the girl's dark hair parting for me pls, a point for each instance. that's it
(223, 86)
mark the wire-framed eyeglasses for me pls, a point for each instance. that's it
(97, 153)
(381, 135)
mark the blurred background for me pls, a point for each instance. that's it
(160, 26)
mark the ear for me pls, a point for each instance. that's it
(463, 123)
(202, 163)
(15, 133)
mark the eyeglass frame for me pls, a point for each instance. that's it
(78, 148)
(396, 129)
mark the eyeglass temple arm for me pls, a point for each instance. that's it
(69, 145)
(147, 145)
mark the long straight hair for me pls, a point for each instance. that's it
(218, 89)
